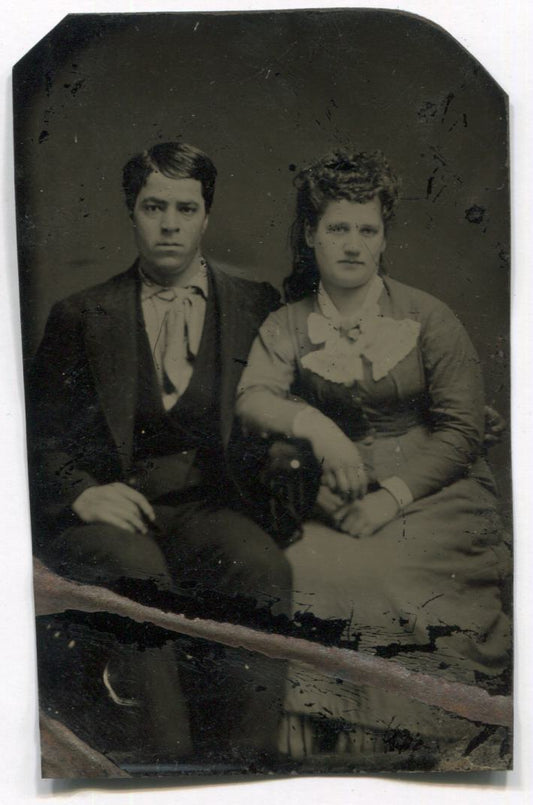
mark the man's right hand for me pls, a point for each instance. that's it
(116, 504)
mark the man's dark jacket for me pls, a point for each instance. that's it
(83, 384)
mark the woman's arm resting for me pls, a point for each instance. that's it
(264, 405)
(456, 406)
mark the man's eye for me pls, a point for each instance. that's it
(368, 230)
(152, 208)
(188, 210)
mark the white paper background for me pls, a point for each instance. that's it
(500, 35)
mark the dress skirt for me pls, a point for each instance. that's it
(424, 591)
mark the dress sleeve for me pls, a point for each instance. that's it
(455, 408)
(264, 401)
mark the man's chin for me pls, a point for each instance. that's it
(164, 270)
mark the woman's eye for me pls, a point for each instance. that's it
(337, 228)
(151, 208)
(368, 231)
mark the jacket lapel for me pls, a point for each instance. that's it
(112, 348)
(111, 343)
(236, 333)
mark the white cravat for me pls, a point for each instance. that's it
(174, 320)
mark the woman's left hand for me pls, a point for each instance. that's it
(328, 501)
(363, 517)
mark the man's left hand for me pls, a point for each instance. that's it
(495, 426)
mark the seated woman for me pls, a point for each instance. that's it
(383, 382)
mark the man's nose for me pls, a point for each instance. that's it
(170, 221)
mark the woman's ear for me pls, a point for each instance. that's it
(309, 236)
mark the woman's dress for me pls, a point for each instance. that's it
(425, 589)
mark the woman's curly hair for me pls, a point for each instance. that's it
(342, 174)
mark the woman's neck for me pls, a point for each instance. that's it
(348, 301)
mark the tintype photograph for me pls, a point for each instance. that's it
(264, 284)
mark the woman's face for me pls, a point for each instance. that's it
(348, 242)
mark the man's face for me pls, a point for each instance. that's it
(169, 221)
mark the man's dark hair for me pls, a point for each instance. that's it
(174, 160)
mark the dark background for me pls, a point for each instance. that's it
(264, 93)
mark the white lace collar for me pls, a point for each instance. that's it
(383, 341)
(369, 307)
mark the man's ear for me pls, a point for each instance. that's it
(383, 245)
(309, 236)
(204, 225)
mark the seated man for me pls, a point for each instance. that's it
(131, 410)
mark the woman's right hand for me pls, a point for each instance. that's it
(343, 470)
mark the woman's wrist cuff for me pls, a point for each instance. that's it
(398, 489)
(309, 422)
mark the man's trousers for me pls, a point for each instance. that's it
(192, 696)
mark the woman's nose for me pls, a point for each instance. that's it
(353, 242)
